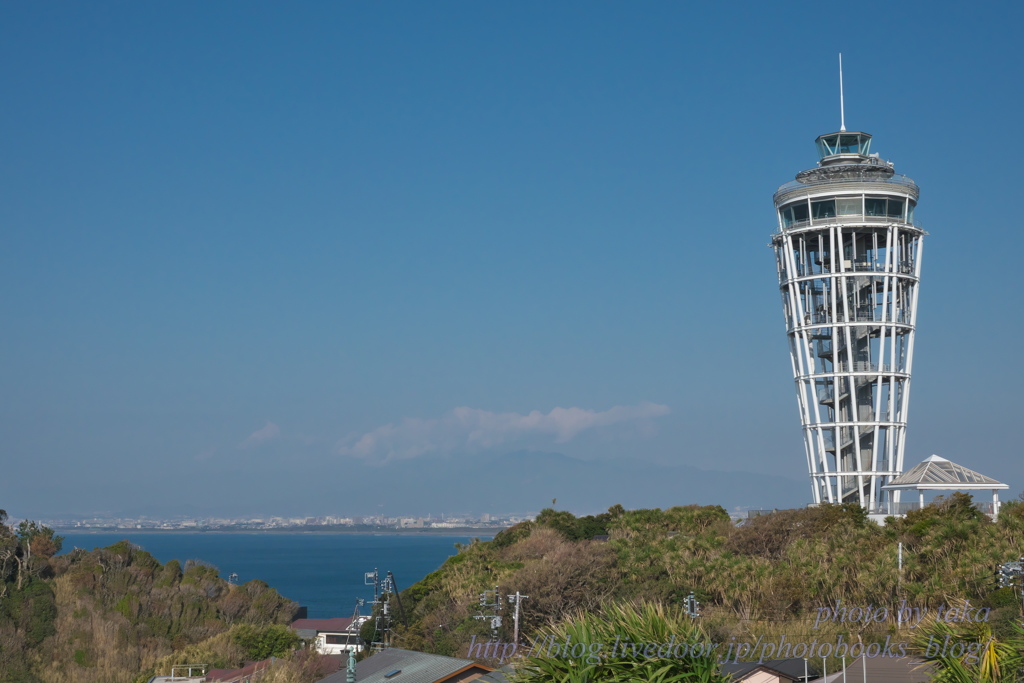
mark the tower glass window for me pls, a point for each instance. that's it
(849, 144)
(850, 206)
(843, 143)
(874, 206)
(824, 209)
(800, 213)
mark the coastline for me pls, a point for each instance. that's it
(375, 531)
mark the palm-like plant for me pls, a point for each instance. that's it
(969, 652)
(596, 635)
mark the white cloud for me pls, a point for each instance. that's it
(268, 433)
(475, 429)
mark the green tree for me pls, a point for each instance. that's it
(9, 551)
(36, 544)
(40, 540)
(575, 528)
(275, 640)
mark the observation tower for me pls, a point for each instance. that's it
(849, 259)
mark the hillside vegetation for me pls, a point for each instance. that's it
(117, 614)
(770, 576)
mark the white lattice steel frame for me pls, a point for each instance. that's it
(849, 273)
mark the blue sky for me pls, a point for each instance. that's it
(249, 236)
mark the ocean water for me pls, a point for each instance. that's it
(323, 571)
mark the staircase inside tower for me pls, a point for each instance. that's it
(855, 405)
(850, 399)
(858, 307)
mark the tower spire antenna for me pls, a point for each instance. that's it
(842, 106)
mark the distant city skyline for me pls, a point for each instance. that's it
(260, 257)
(274, 523)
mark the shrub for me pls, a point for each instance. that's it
(595, 634)
(275, 640)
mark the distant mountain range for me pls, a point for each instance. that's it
(529, 480)
(495, 483)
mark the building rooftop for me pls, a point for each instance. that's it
(396, 665)
(791, 669)
(336, 625)
(883, 670)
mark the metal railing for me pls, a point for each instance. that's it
(866, 183)
(862, 366)
(819, 319)
(896, 372)
(988, 508)
(905, 506)
(901, 268)
(853, 218)
(902, 317)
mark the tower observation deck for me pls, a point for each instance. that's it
(848, 252)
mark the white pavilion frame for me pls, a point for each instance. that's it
(848, 254)
(939, 474)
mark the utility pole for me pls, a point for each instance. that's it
(1011, 575)
(692, 606)
(392, 585)
(516, 600)
(491, 600)
(383, 589)
(899, 579)
(372, 579)
(1019, 575)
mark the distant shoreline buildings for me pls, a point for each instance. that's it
(377, 523)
